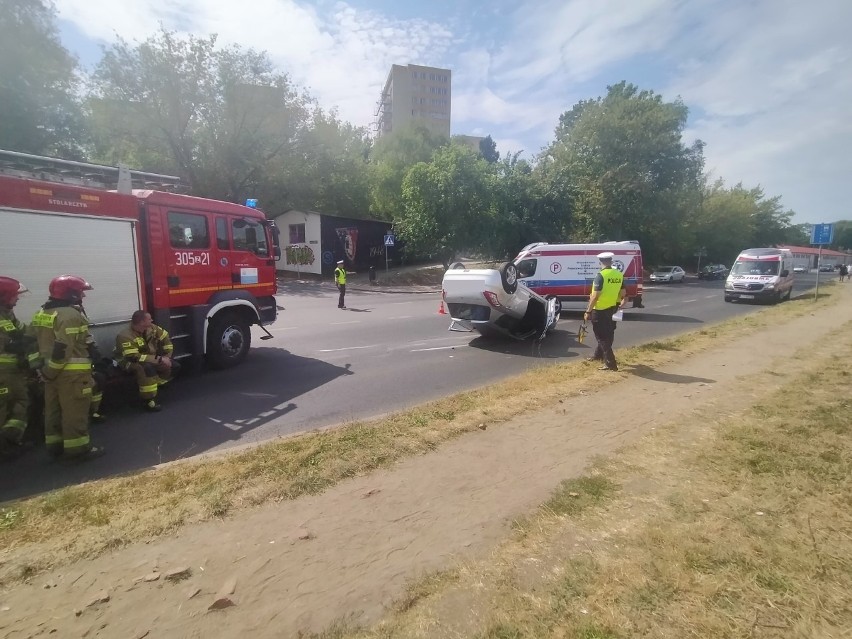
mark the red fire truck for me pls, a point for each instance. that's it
(204, 269)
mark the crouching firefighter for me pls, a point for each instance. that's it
(62, 330)
(145, 350)
(17, 353)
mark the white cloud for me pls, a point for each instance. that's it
(774, 101)
(341, 56)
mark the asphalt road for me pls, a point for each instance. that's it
(326, 366)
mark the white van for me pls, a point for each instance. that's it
(761, 274)
(567, 271)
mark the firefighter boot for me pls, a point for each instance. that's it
(151, 405)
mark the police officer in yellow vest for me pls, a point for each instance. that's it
(62, 330)
(340, 280)
(607, 296)
(17, 353)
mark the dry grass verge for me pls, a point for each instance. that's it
(720, 526)
(86, 520)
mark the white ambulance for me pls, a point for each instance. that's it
(567, 271)
(761, 274)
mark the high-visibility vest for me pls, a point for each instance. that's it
(612, 282)
(340, 275)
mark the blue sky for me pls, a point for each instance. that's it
(768, 82)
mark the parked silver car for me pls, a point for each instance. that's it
(495, 302)
(668, 274)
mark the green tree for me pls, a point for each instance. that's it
(447, 204)
(221, 118)
(842, 236)
(38, 83)
(333, 171)
(393, 156)
(488, 150)
(630, 174)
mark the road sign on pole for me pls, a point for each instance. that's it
(822, 234)
(389, 240)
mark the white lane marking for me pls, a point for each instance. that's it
(687, 301)
(401, 317)
(286, 328)
(709, 297)
(347, 348)
(663, 305)
(340, 323)
(437, 348)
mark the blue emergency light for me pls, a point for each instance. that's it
(251, 203)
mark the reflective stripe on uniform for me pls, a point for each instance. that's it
(8, 325)
(44, 320)
(8, 360)
(151, 388)
(52, 439)
(4, 391)
(76, 442)
(17, 424)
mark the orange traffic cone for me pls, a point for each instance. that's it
(441, 310)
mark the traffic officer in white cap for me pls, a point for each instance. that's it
(340, 280)
(607, 296)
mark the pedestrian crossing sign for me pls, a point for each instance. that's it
(389, 240)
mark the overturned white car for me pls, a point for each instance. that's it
(495, 302)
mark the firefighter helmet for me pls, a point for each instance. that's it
(9, 288)
(68, 287)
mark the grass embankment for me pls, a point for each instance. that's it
(87, 520)
(733, 525)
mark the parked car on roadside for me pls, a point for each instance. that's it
(826, 268)
(496, 302)
(713, 272)
(800, 269)
(668, 274)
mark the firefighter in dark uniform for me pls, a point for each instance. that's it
(607, 296)
(340, 280)
(17, 353)
(145, 350)
(62, 330)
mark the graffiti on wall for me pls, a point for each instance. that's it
(349, 238)
(299, 254)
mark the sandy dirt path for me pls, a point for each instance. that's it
(299, 565)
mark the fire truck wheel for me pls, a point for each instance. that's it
(228, 340)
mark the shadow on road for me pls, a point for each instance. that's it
(658, 317)
(235, 402)
(557, 344)
(646, 372)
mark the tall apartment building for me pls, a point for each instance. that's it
(415, 94)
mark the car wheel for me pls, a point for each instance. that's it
(558, 307)
(457, 266)
(509, 277)
(728, 298)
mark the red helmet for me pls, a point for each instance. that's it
(9, 287)
(68, 287)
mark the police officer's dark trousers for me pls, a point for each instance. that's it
(603, 327)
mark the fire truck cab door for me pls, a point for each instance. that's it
(190, 257)
(245, 254)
